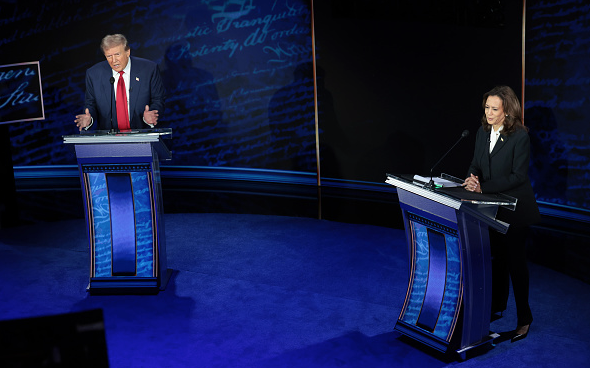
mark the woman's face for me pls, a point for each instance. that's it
(494, 112)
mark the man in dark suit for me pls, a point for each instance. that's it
(122, 92)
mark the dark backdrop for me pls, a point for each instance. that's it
(408, 77)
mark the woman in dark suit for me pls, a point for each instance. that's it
(500, 165)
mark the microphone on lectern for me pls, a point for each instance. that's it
(430, 185)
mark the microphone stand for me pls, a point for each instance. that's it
(431, 185)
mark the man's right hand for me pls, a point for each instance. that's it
(84, 120)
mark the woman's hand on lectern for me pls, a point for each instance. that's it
(472, 184)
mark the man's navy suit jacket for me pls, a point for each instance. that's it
(146, 88)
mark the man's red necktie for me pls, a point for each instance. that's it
(122, 110)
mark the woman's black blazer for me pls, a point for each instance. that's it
(505, 170)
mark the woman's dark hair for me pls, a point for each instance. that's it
(511, 106)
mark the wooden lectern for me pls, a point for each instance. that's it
(448, 301)
(120, 179)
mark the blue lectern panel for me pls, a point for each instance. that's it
(452, 297)
(419, 276)
(123, 237)
(144, 230)
(101, 224)
(434, 297)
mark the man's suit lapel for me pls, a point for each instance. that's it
(135, 81)
(107, 93)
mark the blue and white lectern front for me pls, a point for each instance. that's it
(448, 301)
(120, 179)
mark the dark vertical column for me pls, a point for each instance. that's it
(122, 211)
(8, 204)
(435, 287)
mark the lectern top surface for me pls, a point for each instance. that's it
(133, 135)
(455, 193)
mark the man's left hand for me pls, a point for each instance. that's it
(150, 116)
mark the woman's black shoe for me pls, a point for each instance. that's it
(521, 332)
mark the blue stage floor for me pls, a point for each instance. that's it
(272, 291)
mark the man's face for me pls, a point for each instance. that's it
(117, 57)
